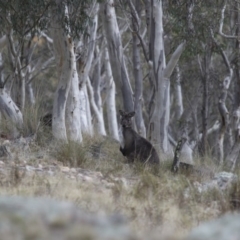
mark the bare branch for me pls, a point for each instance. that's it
(136, 22)
(47, 38)
(224, 56)
(173, 60)
(221, 24)
(41, 69)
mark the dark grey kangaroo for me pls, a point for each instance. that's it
(134, 146)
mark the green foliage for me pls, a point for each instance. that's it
(24, 16)
(30, 16)
(205, 16)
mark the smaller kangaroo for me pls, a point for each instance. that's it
(135, 147)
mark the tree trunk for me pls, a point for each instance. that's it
(20, 76)
(234, 153)
(100, 127)
(29, 88)
(96, 79)
(224, 114)
(116, 55)
(178, 95)
(138, 77)
(205, 81)
(159, 119)
(85, 114)
(73, 120)
(85, 50)
(10, 111)
(64, 55)
(110, 99)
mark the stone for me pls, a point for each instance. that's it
(226, 227)
(44, 218)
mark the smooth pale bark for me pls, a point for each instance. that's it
(224, 114)
(30, 94)
(64, 55)
(73, 120)
(237, 52)
(115, 50)
(17, 65)
(233, 155)
(96, 79)
(178, 95)
(11, 112)
(95, 95)
(85, 113)
(160, 111)
(110, 99)
(137, 72)
(29, 89)
(183, 118)
(100, 127)
(85, 48)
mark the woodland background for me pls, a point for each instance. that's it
(67, 67)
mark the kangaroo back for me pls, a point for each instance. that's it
(135, 147)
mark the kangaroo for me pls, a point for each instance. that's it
(135, 147)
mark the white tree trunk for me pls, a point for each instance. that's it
(85, 113)
(15, 56)
(159, 120)
(73, 120)
(100, 127)
(115, 49)
(64, 55)
(96, 79)
(85, 49)
(137, 71)
(10, 111)
(110, 99)
(30, 94)
(29, 88)
(178, 95)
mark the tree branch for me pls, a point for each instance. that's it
(221, 24)
(173, 60)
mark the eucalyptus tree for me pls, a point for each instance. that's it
(211, 31)
(116, 55)
(160, 75)
(85, 51)
(18, 26)
(136, 7)
(66, 22)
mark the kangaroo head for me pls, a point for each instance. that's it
(126, 118)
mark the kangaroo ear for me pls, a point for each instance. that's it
(121, 112)
(131, 114)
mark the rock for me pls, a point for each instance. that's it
(224, 179)
(64, 169)
(186, 154)
(224, 228)
(220, 181)
(42, 218)
(3, 151)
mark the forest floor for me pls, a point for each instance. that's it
(95, 177)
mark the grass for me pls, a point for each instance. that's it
(154, 202)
